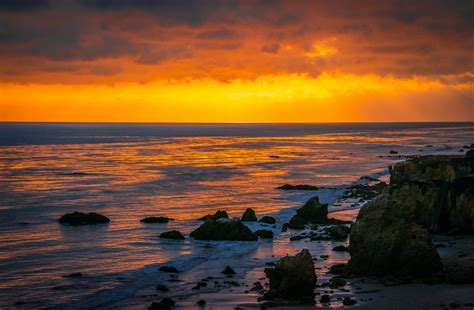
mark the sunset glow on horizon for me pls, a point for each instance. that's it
(236, 61)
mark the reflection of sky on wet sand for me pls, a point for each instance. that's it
(182, 178)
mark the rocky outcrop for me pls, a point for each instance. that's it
(299, 187)
(220, 214)
(156, 219)
(223, 229)
(79, 218)
(292, 278)
(390, 236)
(312, 212)
(267, 220)
(173, 234)
(249, 216)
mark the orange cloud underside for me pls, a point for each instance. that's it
(270, 98)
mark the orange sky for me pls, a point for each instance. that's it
(236, 61)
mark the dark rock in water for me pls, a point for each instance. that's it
(168, 269)
(313, 212)
(79, 218)
(162, 288)
(201, 303)
(267, 220)
(299, 187)
(347, 301)
(393, 152)
(337, 269)
(164, 304)
(274, 156)
(173, 234)
(156, 219)
(339, 231)
(228, 270)
(232, 230)
(460, 270)
(221, 214)
(325, 299)
(264, 233)
(292, 278)
(296, 222)
(341, 248)
(249, 216)
(73, 275)
(336, 282)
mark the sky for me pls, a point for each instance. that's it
(236, 61)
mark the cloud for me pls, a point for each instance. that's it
(23, 5)
(271, 48)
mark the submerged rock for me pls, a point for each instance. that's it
(267, 220)
(262, 233)
(220, 214)
(164, 304)
(79, 218)
(73, 275)
(170, 269)
(347, 301)
(231, 230)
(299, 187)
(228, 270)
(156, 219)
(292, 278)
(249, 216)
(201, 303)
(173, 234)
(162, 288)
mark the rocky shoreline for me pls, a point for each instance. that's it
(391, 242)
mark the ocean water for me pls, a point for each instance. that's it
(183, 171)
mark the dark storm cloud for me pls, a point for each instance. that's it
(190, 12)
(23, 5)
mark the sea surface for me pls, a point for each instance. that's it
(182, 171)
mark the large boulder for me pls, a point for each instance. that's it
(312, 212)
(383, 242)
(292, 278)
(223, 229)
(220, 214)
(79, 218)
(249, 216)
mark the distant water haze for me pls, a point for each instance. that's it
(183, 171)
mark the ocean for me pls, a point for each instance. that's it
(183, 171)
